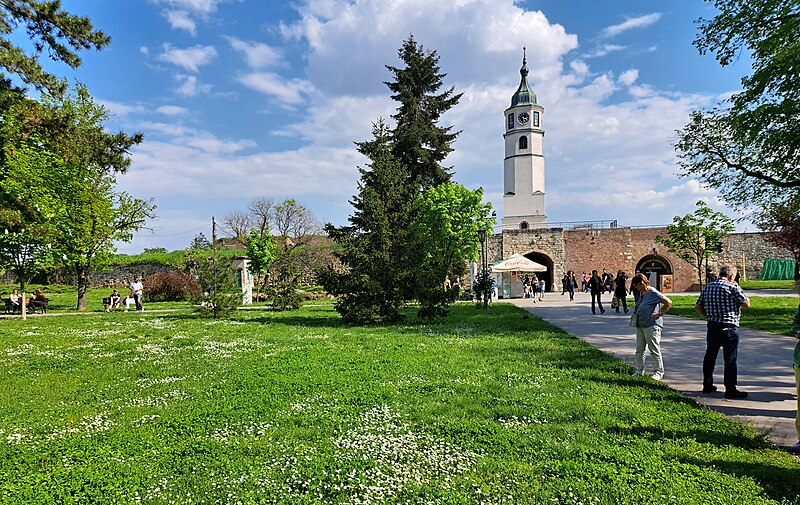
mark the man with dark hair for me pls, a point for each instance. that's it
(720, 303)
(596, 290)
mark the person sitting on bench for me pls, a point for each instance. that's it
(112, 302)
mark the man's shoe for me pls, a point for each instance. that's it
(795, 449)
(735, 394)
(626, 311)
(637, 373)
(657, 376)
(602, 311)
(709, 389)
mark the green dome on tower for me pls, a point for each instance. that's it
(524, 94)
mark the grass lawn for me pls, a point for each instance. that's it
(788, 284)
(63, 298)
(773, 314)
(484, 407)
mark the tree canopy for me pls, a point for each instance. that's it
(749, 146)
(52, 29)
(419, 143)
(694, 237)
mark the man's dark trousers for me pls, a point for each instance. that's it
(727, 337)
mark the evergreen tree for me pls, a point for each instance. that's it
(419, 144)
(372, 281)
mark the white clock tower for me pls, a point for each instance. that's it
(523, 166)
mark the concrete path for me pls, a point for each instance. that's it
(765, 359)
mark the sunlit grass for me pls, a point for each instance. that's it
(484, 407)
(773, 314)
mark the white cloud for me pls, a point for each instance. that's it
(628, 77)
(172, 110)
(190, 58)
(191, 86)
(181, 20)
(631, 23)
(604, 50)
(256, 54)
(198, 7)
(608, 135)
(118, 110)
(287, 91)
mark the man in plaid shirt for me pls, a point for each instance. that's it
(720, 303)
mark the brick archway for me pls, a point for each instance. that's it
(654, 266)
(545, 260)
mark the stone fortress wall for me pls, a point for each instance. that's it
(628, 249)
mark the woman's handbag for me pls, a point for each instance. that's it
(614, 302)
(632, 321)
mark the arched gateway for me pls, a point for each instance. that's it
(658, 271)
(545, 260)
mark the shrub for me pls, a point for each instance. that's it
(170, 287)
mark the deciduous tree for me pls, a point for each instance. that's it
(445, 234)
(749, 147)
(694, 236)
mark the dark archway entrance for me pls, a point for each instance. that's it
(545, 260)
(658, 271)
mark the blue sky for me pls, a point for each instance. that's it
(240, 99)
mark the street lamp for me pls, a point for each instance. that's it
(484, 267)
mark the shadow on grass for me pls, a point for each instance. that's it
(780, 483)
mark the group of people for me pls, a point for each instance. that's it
(37, 301)
(597, 285)
(533, 287)
(134, 298)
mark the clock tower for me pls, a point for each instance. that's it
(523, 166)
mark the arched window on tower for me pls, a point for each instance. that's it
(523, 225)
(523, 143)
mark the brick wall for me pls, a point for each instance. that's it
(584, 250)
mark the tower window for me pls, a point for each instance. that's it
(511, 121)
(536, 119)
(523, 225)
(523, 142)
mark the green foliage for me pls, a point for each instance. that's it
(199, 242)
(749, 147)
(783, 221)
(59, 170)
(444, 231)
(384, 260)
(50, 28)
(221, 296)
(374, 272)
(693, 236)
(418, 142)
(171, 287)
(297, 407)
(261, 250)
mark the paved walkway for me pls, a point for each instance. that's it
(765, 360)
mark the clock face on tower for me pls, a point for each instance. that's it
(523, 117)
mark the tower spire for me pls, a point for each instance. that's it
(524, 94)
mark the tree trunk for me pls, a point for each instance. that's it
(82, 274)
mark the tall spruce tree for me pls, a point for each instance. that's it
(418, 142)
(372, 280)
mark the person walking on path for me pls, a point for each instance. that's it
(795, 449)
(649, 323)
(596, 290)
(620, 291)
(720, 303)
(136, 290)
(571, 285)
